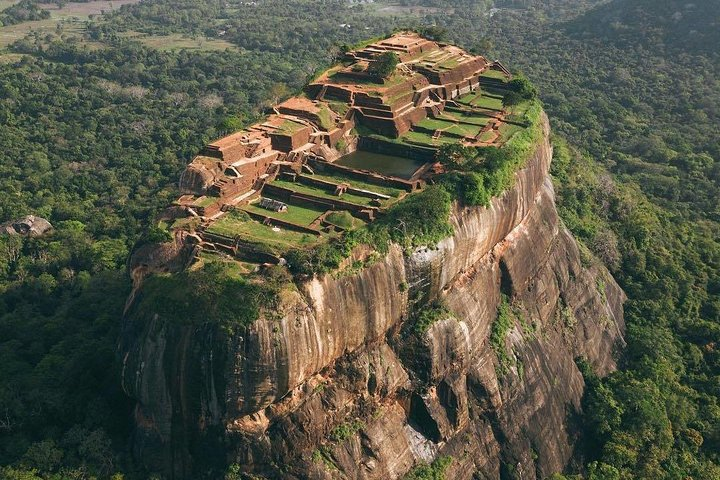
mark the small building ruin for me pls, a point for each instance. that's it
(273, 205)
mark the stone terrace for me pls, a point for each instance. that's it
(434, 96)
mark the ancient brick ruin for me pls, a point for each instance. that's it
(309, 133)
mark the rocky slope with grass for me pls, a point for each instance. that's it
(461, 356)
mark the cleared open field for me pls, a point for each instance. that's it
(7, 3)
(178, 41)
(73, 13)
(10, 57)
(11, 33)
(83, 10)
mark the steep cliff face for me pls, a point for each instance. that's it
(335, 385)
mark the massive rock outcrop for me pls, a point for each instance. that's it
(334, 383)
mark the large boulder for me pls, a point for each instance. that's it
(29, 225)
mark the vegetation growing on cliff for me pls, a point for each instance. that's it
(215, 293)
(501, 327)
(346, 430)
(428, 315)
(421, 219)
(478, 174)
(434, 471)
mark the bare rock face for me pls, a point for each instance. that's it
(171, 256)
(335, 384)
(196, 179)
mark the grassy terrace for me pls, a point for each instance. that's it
(456, 115)
(299, 215)
(435, 123)
(283, 240)
(338, 77)
(319, 192)
(396, 97)
(450, 63)
(490, 102)
(463, 129)
(339, 178)
(205, 201)
(482, 100)
(289, 127)
(487, 136)
(474, 119)
(520, 110)
(325, 118)
(476, 110)
(494, 74)
(425, 139)
(341, 108)
(508, 131)
(279, 241)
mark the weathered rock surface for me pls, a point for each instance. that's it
(334, 386)
(29, 225)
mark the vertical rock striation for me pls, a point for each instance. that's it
(335, 384)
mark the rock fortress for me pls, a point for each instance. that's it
(458, 353)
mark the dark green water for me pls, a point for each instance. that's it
(383, 164)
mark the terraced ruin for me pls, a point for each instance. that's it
(340, 154)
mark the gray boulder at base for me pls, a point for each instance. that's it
(29, 225)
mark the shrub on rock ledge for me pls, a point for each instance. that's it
(212, 294)
(384, 65)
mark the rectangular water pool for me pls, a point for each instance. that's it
(388, 165)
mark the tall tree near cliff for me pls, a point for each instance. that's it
(278, 91)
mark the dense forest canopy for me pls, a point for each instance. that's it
(98, 124)
(683, 28)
